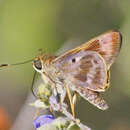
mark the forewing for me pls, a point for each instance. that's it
(107, 45)
(85, 68)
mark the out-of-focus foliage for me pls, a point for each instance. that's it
(27, 25)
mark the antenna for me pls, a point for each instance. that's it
(20, 63)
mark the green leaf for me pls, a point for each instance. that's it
(73, 126)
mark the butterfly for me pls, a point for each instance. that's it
(84, 70)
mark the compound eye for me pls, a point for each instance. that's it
(38, 64)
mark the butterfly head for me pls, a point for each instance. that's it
(42, 61)
(37, 64)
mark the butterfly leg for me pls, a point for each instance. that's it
(71, 100)
(56, 94)
(36, 113)
(74, 98)
(54, 84)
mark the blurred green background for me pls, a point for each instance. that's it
(28, 25)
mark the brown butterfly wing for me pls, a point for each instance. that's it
(86, 73)
(107, 45)
(93, 97)
(85, 68)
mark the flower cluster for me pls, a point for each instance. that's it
(47, 100)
